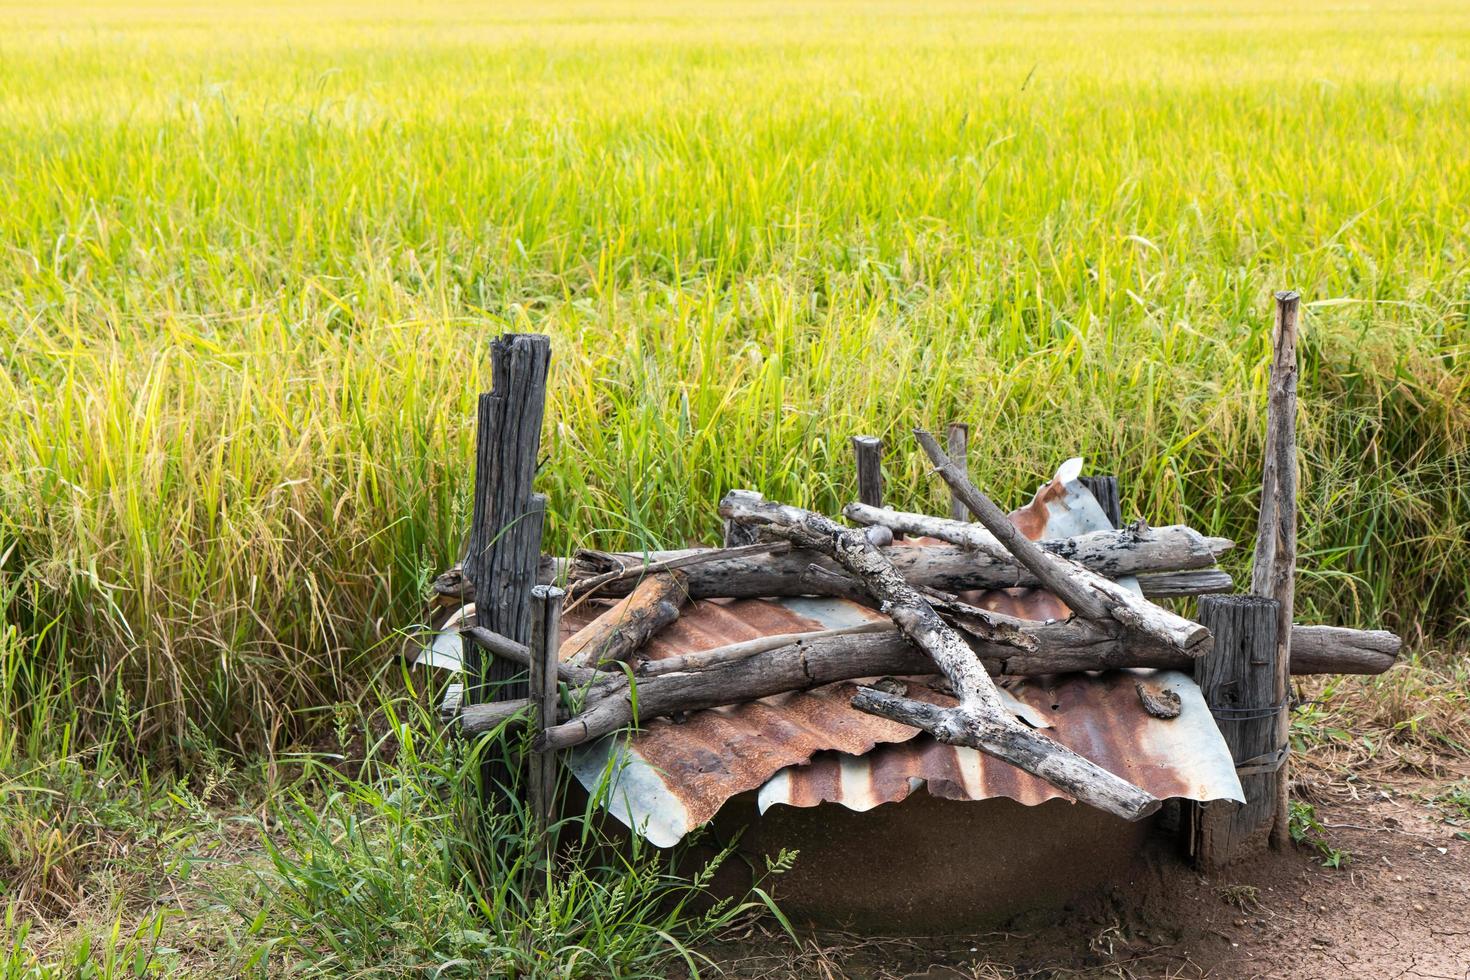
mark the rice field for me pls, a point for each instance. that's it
(251, 258)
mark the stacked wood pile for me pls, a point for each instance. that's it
(596, 683)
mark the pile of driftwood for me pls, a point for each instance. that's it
(596, 683)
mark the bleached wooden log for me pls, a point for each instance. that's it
(451, 591)
(1337, 650)
(1172, 585)
(765, 570)
(830, 656)
(705, 659)
(1127, 551)
(1078, 645)
(1013, 646)
(980, 720)
(798, 666)
(622, 630)
(1084, 591)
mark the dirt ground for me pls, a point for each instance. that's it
(1398, 907)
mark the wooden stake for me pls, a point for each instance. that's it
(1237, 679)
(546, 601)
(505, 538)
(957, 442)
(868, 451)
(1273, 570)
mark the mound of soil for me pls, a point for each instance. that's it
(1399, 907)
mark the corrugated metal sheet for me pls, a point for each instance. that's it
(806, 748)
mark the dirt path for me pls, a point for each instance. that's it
(1398, 908)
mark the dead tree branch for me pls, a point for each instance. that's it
(1085, 592)
(980, 720)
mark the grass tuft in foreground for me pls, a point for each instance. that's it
(377, 860)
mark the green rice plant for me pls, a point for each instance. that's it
(252, 264)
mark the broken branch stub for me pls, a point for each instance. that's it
(980, 720)
(622, 630)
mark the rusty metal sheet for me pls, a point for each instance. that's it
(1096, 715)
(673, 776)
(806, 748)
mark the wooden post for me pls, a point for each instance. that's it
(546, 602)
(1105, 489)
(505, 538)
(1273, 569)
(868, 451)
(1237, 679)
(957, 437)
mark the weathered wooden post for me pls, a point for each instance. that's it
(1105, 489)
(1238, 680)
(868, 452)
(546, 603)
(505, 538)
(957, 444)
(1273, 568)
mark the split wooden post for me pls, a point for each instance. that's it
(868, 452)
(957, 440)
(1237, 680)
(1105, 489)
(1273, 569)
(546, 603)
(505, 538)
